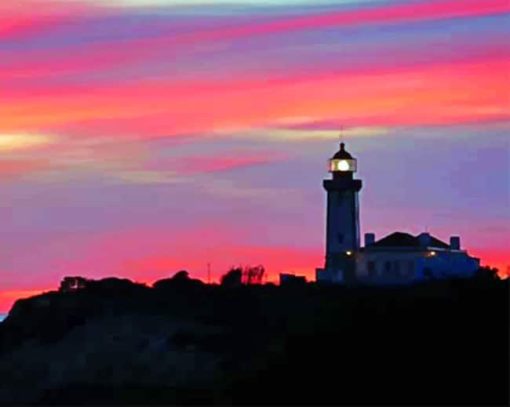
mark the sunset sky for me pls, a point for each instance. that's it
(141, 137)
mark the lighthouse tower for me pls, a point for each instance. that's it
(342, 221)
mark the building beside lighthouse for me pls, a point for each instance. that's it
(397, 258)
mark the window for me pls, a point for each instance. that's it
(410, 268)
(372, 272)
(387, 267)
(396, 268)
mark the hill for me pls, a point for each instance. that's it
(184, 342)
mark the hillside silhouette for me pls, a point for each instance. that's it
(181, 341)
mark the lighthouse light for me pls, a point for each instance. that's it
(343, 165)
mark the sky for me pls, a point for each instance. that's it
(142, 137)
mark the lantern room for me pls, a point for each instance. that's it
(342, 162)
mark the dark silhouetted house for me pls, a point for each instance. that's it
(397, 258)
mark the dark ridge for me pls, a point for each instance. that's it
(184, 342)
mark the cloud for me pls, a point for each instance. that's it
(209, 31)
(118, 160)
(14, 169)
(313, 131)
(14, 142)
(24, 18)
(244, 3)
(232, 160)
(439, 93)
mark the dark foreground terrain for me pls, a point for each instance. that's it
(113, 341)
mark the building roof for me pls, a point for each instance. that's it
(401, 239)
(342, 154)
(435, 242)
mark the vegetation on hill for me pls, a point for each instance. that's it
(182, 341)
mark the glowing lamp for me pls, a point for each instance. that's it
(342, 165)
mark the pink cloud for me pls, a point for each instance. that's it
(412, 12)
(14, 169)
(432, 94)
(111, 54)
(25, 18)
(235, 160)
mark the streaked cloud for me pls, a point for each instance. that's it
(309, 133)
(13, 142)
(245, 3)
(15, 169)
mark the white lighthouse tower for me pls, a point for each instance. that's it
(342, 222)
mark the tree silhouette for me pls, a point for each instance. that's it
(487, 273)
(181, 275)
(233, 277)
(248, 275)
(180, 280)
(253, 275)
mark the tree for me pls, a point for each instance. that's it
(181, 275)
(233, 278)
(253, 275)
(487, 273)
(179, 280)
(248, 275)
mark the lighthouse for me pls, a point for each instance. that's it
(342, 219)
(399, 258)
